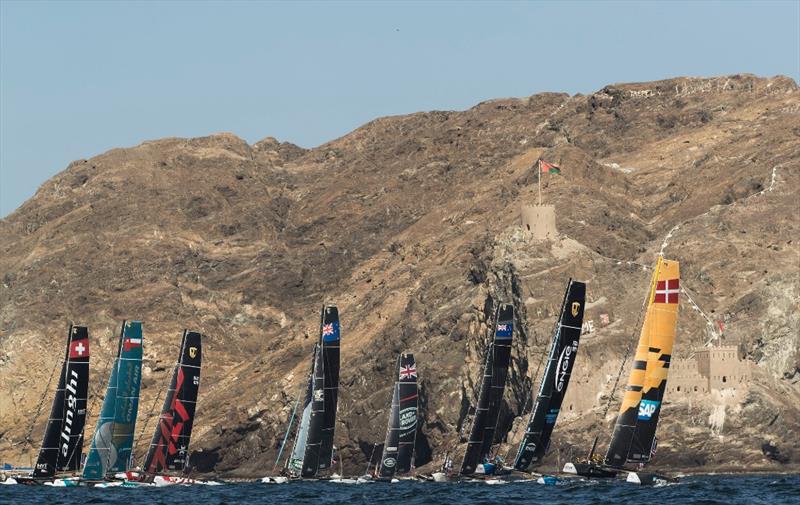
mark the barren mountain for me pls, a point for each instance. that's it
(411, 225)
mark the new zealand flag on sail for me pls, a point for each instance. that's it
(505, 329)
(330, 331)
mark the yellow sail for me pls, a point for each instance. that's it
(634, 433)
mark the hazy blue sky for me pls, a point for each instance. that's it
(77, 79)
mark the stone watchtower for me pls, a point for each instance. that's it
(540, 221)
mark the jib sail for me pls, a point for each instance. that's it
(495, 371)
(295, 463)
(113, 434)
(398, 448)
(170, 444)
(63, 439)
(634, 433)
(555, 379)
(324, 395)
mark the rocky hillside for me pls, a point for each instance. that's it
(411, 225)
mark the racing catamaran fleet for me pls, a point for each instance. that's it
(109, 461)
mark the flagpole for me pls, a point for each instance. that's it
(540, 182)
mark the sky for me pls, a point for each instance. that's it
(79, 78)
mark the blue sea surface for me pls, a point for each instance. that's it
(708, 490)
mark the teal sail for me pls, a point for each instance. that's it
(113, 435)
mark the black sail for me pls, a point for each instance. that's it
(409, 408)
(329, 341)
(62, 445)
(555, 379)
(170, 443)
(495, 371)
(398, 448)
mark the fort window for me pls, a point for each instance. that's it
(724, 379)
(679, 388)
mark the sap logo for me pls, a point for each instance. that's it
(647, 408)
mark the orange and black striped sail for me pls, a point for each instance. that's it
(635, 430)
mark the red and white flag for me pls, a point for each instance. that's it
(130, 343)
(79, 348)
(667, 291)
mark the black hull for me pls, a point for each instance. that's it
(592, 471)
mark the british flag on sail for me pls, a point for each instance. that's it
(504, 329)
(408, 372)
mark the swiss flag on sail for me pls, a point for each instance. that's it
(79, 348)
(667, 291)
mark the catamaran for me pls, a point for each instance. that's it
(62, 445)
(634, 437)
(555, 379)
(487, 412)
(112, 444)
(168, 451)
(312, 452)
(401, 432)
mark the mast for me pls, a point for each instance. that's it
(555, 379)
(634, 432)
(62, 444)
(498, 357)
(170, 443)
(401, 431)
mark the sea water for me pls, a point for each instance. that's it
(709, 490)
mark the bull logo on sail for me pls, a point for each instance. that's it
(564, 364)
(576, 307)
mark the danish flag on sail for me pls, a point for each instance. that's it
(667, 291)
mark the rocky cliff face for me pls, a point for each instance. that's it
(411, 225)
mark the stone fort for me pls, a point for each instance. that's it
(710, 368)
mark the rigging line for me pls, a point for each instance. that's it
(97, 386)
(39, 409)
(150, 414)
(639, 321)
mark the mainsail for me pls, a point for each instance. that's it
(63, 438)
(315, 436)
(113, 435)
(170, 443)
(398, 448)
(555, 379)
(495, 370)
(634, 433)
(330, 359)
